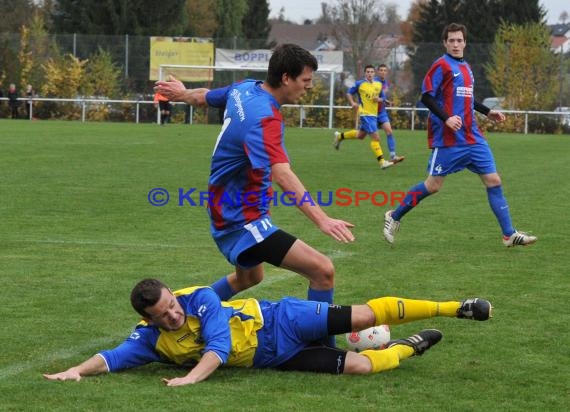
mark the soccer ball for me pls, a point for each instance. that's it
(375, 337)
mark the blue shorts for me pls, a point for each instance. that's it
(383, 117)
(232, 244)
(477, 158)
(368, 124)
(289, 325)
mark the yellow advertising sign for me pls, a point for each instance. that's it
(190, 51)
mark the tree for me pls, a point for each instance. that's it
(201, 19)
(255, 24)
(355, 27)
(522, 67)
(118, 17)
(35, 49)
(15, 14)
(101, 77)
(230, 16)
(482, 18)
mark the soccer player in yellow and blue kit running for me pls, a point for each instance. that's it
(383, 117)
(368, 92)
(192, 328)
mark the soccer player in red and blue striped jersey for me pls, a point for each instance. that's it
(250, 155)
(455, 138)
(383, 117)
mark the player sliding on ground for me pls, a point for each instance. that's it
(192, 327)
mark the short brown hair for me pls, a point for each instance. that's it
(145, 294)
(453, 27)
(290, 59)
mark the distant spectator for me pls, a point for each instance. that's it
(13, 101)
(164, 106)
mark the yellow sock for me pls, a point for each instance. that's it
(377, 150)
(386, 359)
(394, 311)
(351, 134)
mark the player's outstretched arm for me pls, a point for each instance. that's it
(207, 365)
(175, 91)
(289, 182)
(92, 366)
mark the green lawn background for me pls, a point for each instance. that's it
(77, 232)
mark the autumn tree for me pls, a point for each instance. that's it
(201, 19)
(522, 67)
(101, 76)
(36, 46)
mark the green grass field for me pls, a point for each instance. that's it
(77, 232)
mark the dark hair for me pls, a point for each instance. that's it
(368, 66)
(145, 294)
(454, 27)
(290, 59)
(381, 65)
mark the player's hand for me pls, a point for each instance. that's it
(338, 229)
(173, 89)
(496, 116)
(177, 381)
(68, 375)
(454, 123)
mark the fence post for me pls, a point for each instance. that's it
(126, 56)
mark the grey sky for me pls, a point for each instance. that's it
(299, 10)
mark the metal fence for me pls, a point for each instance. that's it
(143, 111)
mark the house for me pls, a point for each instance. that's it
(309, 36)
(560, 38)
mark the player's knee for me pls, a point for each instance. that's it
(433, 186)
(357, 364)
(328, 273)
(493, 180)
(250, 280)
(325, 273)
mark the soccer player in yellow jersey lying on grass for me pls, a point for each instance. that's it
(192, 327)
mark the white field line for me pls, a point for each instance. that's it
(95, 344)
(98, 243)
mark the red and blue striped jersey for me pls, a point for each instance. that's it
(384, 95)
(450, 82)
(251, 141)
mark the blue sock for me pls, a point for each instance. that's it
(323, 296)
(500, 208)
(391, 143)
(414, 196)
(223, 289)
